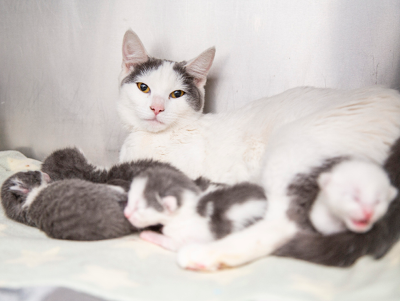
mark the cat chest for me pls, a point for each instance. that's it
(183, 150)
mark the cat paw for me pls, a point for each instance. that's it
(199, 257)
(158, 239)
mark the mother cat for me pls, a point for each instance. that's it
(268, 141)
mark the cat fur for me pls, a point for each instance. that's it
(71, 209)
(71, 163)
(187, 212)
(268, 141)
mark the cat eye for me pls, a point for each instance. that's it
(177, 94)
(143, 87)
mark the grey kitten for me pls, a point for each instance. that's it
(70, 163)
(190, 211)
(71, 209)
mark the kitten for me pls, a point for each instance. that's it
(344, 248)
(70, 163)
(268, 141)
(187, 212)
(354, 195)
(71, 209)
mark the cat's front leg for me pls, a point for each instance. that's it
(159, 239)
(259, 240)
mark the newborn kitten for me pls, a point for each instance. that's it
(70, 163)
(190, 211)
(71, 209)
(353, 196)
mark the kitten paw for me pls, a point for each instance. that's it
(199, 257)
(159, 240)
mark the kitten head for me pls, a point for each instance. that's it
(156, 94)
(358, 193)
(156, 194)
(15, 191)
(68, 163)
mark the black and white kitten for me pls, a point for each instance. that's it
(190, 211)
(71, 209)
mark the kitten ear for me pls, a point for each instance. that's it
(170, 203)
(199, 66)
(392, 193)
(19, 188)
(133, 52)
(45, 177)
(324, 180)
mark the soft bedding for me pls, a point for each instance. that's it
(130, 269)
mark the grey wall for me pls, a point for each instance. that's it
(59, 60)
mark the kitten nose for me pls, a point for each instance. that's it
(128, 211)
(157, 109)
(368, 213)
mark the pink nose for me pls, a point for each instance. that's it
(157, 109)
(128, 212)
(368, 213)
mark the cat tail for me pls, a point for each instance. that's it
(343, 249)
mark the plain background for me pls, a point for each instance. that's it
(60, 60)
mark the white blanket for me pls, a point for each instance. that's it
(130, 269)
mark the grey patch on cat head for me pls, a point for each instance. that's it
(204, 183)
(303, 191)
(222, 200)
(193, 95)
(14, 192)
(165, 181)
(195, 99)
(143, 68)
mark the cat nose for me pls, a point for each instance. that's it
(157, 109)
(128, 211)
(368, 213)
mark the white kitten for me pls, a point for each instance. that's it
(354, 195)
(269, 141)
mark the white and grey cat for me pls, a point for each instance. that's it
(190, 213)
(268, 141)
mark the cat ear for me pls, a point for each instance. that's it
(199, 66)
(19, 188)
(170, 203)
(392, 193)
(46, 177)
(324, 179)
(133, 52)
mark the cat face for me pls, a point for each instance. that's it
(156, 94)
(156, 99)
(15, 191)
(143, 211)
(358, 194)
